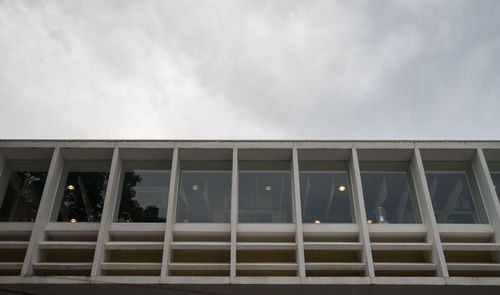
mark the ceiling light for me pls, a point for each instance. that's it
(70, 187)
(268, 188)
(369, 221)
(317, 221)
(195, 187)
(341, 188)
(72, 220)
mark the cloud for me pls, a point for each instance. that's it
(249, 69)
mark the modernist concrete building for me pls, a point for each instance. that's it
(226, 216)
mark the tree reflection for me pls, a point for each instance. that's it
(83, 197)
(131, 209)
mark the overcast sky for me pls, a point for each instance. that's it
(250, 69)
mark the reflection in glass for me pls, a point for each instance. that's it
(204, 196)
(453, 198)
(265, 196)
(22, 196)
(389, 197)
(144, 196)
(83, 196)
(325, 197)
(495, 176)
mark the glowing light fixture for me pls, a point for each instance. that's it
(317, 222)
(195, 187)
(268, 188)
(341, 188)
(72, 220)
(70, 187)
(369, 221)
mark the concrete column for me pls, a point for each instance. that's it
(234, 212)
(299, 238)
(488, 194)
(428, 217)
(359, 209)
(43, 215)
(107, 211)
(172, 196)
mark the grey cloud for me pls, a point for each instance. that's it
(250, 69)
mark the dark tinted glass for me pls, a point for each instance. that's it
(389, 198)
(325, 197)
(144, 196)
(22, 196)
(495, 176)
(453, 198)
(83, 196)
(265, 196)
(204, 196)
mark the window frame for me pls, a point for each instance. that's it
(381, 167)
(145, 165)
(466, 168)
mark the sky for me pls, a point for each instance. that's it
(325, 70)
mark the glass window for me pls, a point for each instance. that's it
(82, 194)
(21, 188)
(454, 193)
(265, 192)
(389, 193)
(204, 192)
(144, 191)
(495, 176)
(325, 192)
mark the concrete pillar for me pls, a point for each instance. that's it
(172, 193)
(428, 217)
(107, 211)
(43, 215)
(234, 212)
(299, 238)
(359, 209)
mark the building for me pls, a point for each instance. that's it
(225, 216)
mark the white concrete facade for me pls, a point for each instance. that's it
(428, 239)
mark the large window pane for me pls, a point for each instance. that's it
(82, 196)
(21, 189)
(144, 193)
(455, 197)
(389, 197)
(325, 195)
(204, 192)
(265, 194)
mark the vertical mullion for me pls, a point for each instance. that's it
(44, 210)
(234, 212)
(107, 211)
(3, 170)
(427, 213)
(2, 164)
(359, 207)
(172, 193)
(487, 191)
(298, 214)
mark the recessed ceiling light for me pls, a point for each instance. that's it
(341, 188)
(70, 187)
(369, 221)
(317, 221)
(72, 220)
(195, 187)
(268, 188)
